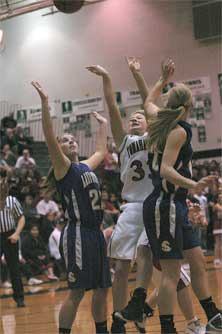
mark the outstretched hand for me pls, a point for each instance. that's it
(98, 70)
(40, 90)
(134, 64)
(99, 118)
(167, 69)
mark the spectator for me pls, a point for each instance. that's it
(8, 155)
(36, 254)
(10, 139)
(204, 211)
(25, 161)
(30, 211)
(47, 205)
(23, 142)
(47, 225)
(8, 122)
(54, 241)
(110, 214)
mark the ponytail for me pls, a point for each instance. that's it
(162, 125)
(48, 186)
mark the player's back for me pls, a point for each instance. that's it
(134, 169)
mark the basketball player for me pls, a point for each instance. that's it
(82, 243)
(165, 211)
(136, 183)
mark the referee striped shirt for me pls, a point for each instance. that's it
(9, 215)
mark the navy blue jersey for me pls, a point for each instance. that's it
(81, 197)
(182, 166)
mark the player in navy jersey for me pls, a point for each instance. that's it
(83, 246)
(165, 211)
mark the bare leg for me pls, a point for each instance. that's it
(120, 284)
(144, 267)
(99, 305)
(198, 273)
(184, 299)
(69, 308)
(168, 286)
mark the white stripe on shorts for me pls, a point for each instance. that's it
(157, 214)
(78, 246)
(64, 245)
(172, 216)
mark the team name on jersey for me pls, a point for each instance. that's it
(136, 146)
(89, 178)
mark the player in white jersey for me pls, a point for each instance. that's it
(137, 184)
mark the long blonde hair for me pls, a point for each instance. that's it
(178, 102)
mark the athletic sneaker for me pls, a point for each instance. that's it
(34, 281)
(214, 325)
(118, 325)
(147, 313)
(195, 327)
(141, 326)
(134, 310)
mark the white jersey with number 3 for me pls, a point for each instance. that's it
(134, 170)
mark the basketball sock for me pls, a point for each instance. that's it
(209, 307)
(167, 324)
(101, 327)
(64, 330)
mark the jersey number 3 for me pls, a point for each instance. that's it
(138, 169)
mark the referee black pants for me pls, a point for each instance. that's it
(11, 252)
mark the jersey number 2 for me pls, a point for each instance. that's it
(95, 200)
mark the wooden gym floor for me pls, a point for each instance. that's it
(40, 316)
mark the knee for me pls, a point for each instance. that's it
(122, 269)
(100, 294)
(76, 295)
(198, 265)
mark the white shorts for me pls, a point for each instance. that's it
(129, 227)
(143, 239)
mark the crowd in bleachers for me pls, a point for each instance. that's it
(39, 244)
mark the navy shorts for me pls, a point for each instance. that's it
(167, 226)
(84, 253)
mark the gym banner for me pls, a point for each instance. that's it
(88, 105)
(33, 113)
(131, 98)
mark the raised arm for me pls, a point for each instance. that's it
(101, 143)
(135, 68)
(174, 143)
(117, 128)
(60, 162)
(150, 107)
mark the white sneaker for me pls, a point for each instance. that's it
(6, 285)
(195, 327)
(34, 281)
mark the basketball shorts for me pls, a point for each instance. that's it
(168, 228)
(129, 227)
(84, 252)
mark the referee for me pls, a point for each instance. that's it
(10, 213)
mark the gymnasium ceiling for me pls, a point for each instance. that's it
(12, 8)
